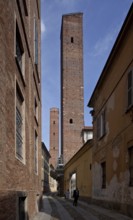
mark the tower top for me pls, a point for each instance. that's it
(76, 15)
(72, 14)
(54, 109)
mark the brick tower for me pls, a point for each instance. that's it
(72, 101)
(54, 136)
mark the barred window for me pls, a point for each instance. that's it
(19, 138)
(19, 124)
(131, 165)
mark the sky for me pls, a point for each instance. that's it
(102, 21)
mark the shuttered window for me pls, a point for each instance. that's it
(101, 125)
(130, 89)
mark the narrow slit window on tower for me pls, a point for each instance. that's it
(71, 121)
(72, 40)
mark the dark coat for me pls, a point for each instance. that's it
(76, 194)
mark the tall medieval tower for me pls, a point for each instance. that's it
(54, 136)
(72, 101)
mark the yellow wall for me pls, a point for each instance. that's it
(81, 165)
(111, 95)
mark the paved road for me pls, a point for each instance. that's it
(56, 208)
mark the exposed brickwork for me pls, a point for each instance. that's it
(16, 175)
(72, 102)
(54, 136)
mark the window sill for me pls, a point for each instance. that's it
(129, 108)
(36, 120)
(101, 137)
(20, 160)
(129, 111)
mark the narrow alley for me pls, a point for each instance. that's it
(58, 208)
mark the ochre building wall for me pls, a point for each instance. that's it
(111, 96)
(81, 165)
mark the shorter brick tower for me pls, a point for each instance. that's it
(54, 136)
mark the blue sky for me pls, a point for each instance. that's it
(102, 20)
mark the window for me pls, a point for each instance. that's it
(103, 166)
(131, 165)
(19, 51)
(72, 40)
(36, 153)
(36, 109)
(35, 42)
(54, 122)
(19, 124)
(54, 133)
(130, 89)
(71, 121)
(25, 7)
(101, 129)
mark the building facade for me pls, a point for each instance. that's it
(45, 169)
(52, 180)
(112, 103)
(87, 133)
(20, 109)
(54, 136)
(78, 172)
(72, 101)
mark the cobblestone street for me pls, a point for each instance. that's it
(57, 208)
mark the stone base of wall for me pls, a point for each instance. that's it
(9, 204)
(126, 209)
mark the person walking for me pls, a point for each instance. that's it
(75, 196)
